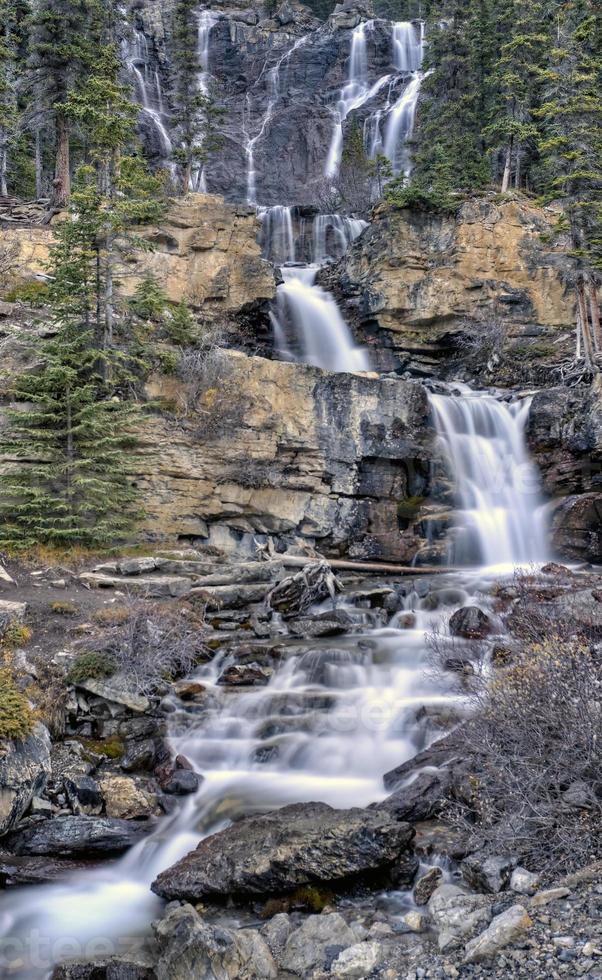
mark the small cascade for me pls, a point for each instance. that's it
(207, 20)
(308, 320)
(277, 237)
(147, 89)
(400, 126)
(499, 519)
(332, 236)
(408, 43)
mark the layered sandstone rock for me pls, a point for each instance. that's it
(272, 448)
(414, 283)
(204, 251)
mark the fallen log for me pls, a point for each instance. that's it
(342, 565)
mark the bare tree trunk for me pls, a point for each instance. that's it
(594, 306)
(62, 175)
(517, 173)
(587, 337)
(508, 166)
(3, 163)
(39, 168)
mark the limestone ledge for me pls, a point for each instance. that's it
(307, 456)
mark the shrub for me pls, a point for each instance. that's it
(63, 608)
(536, 738)
(111, 615)
(16, 635)
(153, 644)
(93, 664)
(32, 293)
(16, 716)
(180, 326)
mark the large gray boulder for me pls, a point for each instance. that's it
(24, 768)
(190, 947)
(302, 844)
(80, 835)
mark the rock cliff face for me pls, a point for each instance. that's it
(289, 451)
(205, 251)
(565, 437)
(414, 284)
(277, 78)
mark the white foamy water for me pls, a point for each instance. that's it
(309, 327)
(500, 520)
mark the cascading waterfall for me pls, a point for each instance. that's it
(332, 236)
(308, 317)
(147, 89)
(206, 20)
(499, 518)
(408, 48)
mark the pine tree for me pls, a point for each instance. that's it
(197, 113)
(12, 41)
(516, 78)
(123, 194)
(65, 37)
(70, 481)
(571, 152)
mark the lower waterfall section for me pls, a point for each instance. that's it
(335, 716)
(308, 325)
(500, 519)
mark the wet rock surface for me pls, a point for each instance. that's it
(298, 845)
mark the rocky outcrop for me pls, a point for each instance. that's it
(301, 844)
(564, 433)
(416, 285)
(24, 769)
(204, 251)
(80, 835)
(289, 451)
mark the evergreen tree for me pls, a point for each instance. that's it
(121, 193)
(8, 98)
(65, 38)
(197, 114)
(70, 479)
(571, 151)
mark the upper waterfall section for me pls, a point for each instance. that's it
(289, 91)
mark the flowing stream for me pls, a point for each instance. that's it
(335, 716)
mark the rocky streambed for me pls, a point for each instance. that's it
(249, 794)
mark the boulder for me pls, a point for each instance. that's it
(524, 882)
(357, 961)
(489, 873)
(457, 914)
(425, 886)
(190, 947)
(509, 927)
(301, 844)
(470, 623)
(135, 964)
(245, 675)
(125, 799)
(310, 946)
(24, 769)
(75, 836)
(84, 794)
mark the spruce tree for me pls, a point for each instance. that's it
(65, 37)
(69, 479)
(571, 152)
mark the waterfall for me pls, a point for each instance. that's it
(308, 317)
(206, 21)
(277, 234)
(499, 516)
(408, 43)
(147, 89)
(352, 95)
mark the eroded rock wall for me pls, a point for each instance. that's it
(204, 251)
(289, 451)
(414, 283)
